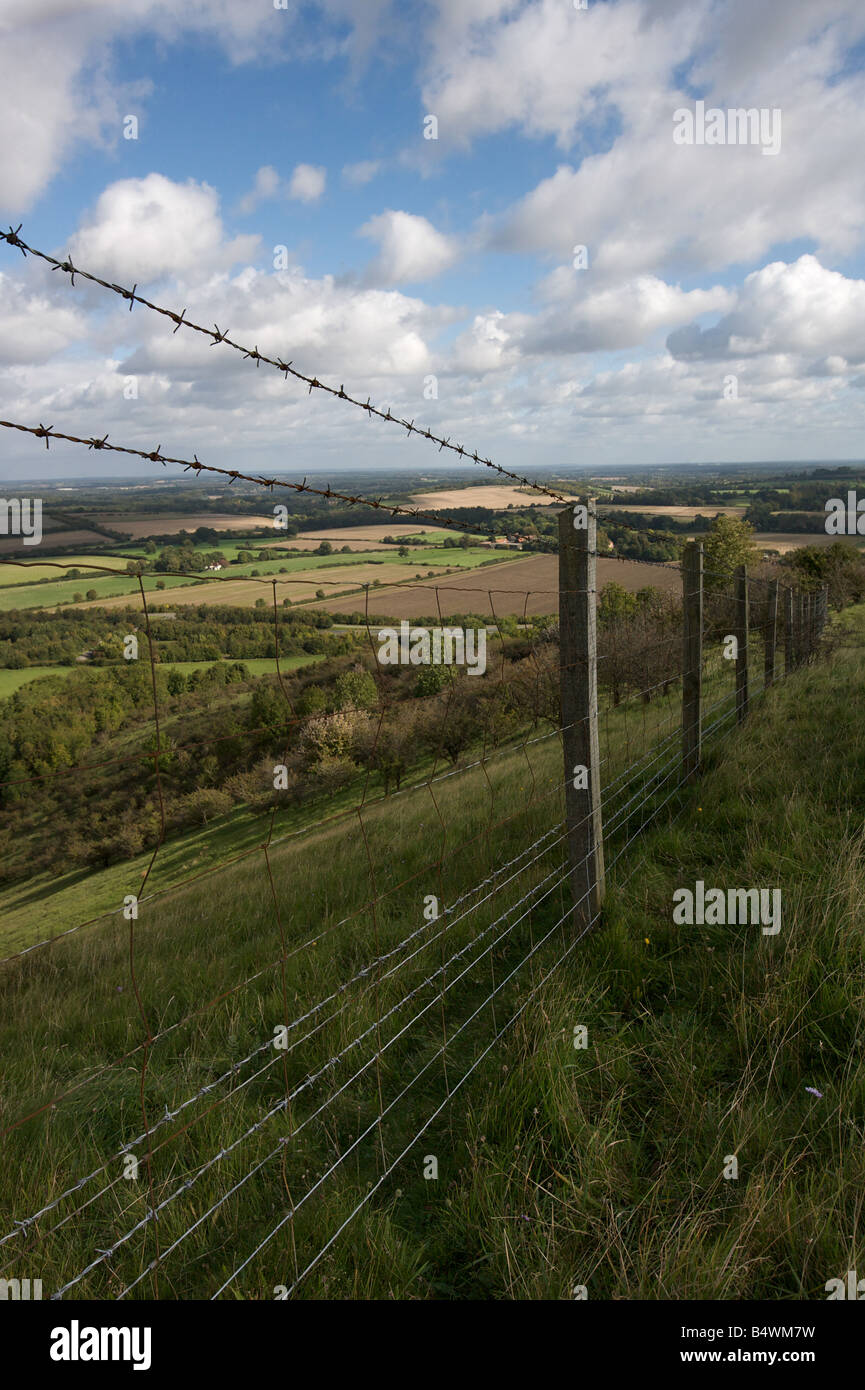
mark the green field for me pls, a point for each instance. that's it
(20, 596)
(19, 589)
(10, 681)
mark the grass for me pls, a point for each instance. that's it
(16, 597)
(10, 680)
(556, 1166)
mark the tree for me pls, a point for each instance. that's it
(325, 548)
(91, 595)
(727, 546)
(355, 690)
(614, 604)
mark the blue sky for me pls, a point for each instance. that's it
(720, 314)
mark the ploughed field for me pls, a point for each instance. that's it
(514, 587)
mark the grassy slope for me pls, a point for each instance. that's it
(604, 1167)
(556, 1166)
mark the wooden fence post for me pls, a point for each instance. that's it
(824, 606)
(741, 643)
(692, 657)
(579, 697)
(771, 631)
(788, 630)
(798, 627)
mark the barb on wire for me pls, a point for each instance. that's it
(218, 335)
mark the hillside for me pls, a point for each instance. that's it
(557, 1167)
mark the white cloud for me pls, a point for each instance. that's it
(144, 228)
(56, 75)
(801, 308)
(410, 248)
(307, 183)
(33, 327)
(605, 82)
(582, 318)
(362, 172)
(265, 185)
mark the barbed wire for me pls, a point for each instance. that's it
(218, 336)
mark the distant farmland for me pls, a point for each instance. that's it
(139, 527)
(518, 586)
(302, 583)
(493, 497)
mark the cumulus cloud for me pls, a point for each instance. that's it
(410, 248)
(141, 229)
(619, 316)
(605, 83)
(801, 308)
(307, 183)
(265, 186)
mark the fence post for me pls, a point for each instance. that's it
(771, 631)
(824, 606)
(692, 657)
(788, 630)
(741, 643)
(579, 697)
(798, 642)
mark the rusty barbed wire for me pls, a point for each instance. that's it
(218, 335)
(47, 432)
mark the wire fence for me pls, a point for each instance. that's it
(214, 1070)
(381, 951)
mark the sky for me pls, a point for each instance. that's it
(535, 226)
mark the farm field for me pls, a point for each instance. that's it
(11, 544)
(299, 586)
(140, 527)
(680, 513)
(492, 496)
(347, 535)
(21, 591)
(521, 585)
(793, 540)
(31, 570)
(20, 596)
